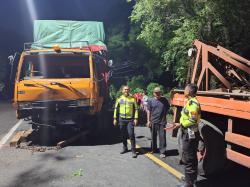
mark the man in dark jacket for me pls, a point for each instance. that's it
(156, 120)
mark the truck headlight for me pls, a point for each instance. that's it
(24, 105)
(83, 102)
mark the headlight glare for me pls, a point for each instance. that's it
(24, 105)
(83, 102)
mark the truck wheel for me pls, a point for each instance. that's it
(104, 122)
(100, 123)
(214, 157)
(35, 118)
(46, 135)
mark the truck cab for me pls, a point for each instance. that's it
(57, 84)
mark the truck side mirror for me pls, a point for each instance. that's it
(11, 59)
(110, 63)
(13, 63)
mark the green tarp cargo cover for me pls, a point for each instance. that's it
(68, 34)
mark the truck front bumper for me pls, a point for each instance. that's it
(52, 108)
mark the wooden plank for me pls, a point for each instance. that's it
(15, 141)
(238, 139)
(238, 158)
(64, 143)
(26, 134)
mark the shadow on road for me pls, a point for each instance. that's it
(58, 158)
(35, 176)
(172, 152)
(234, 176)
(91, 133)
(143, 150)
(108, 137)
(52, 137)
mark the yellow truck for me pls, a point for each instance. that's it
(63, 75)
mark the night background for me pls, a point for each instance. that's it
(17, 20)
(147, 39)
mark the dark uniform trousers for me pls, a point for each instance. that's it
(127, 130)
(158, 129)
(189, 156)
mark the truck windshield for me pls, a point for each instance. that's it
(48, 66)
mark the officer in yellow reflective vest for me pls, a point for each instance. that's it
(126, 112)
(190, 117)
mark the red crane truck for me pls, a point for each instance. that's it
(224, 94)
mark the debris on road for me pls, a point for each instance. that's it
(27, 139)
(78, 173)
(35, 148)
(64, 143)
(19, 137)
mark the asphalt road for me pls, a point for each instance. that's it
(92, 163)
(7, 118)
(95, 161)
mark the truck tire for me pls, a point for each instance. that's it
(101, 122)
(45, 136)
(214, 159)
(104, 121)
(35, 120)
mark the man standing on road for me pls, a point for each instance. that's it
(156, 120)
(190, 117)
(126, 111)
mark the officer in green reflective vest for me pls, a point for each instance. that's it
(126, 113)
(190, 117)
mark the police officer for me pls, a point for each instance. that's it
(190, 117)
(126, 112)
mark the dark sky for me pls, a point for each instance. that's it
(16, 25)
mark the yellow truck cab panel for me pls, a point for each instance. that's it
(49, 76)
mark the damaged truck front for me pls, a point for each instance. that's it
(63, 75)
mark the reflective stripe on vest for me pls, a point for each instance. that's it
(190, 114)
(126, 108)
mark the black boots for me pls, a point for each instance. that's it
(124, 150)
(134, 155)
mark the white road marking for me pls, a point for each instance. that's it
(9, 134)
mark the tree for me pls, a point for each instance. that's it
(168, 27)
(151, 87)
(125, 48)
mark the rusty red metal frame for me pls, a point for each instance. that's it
(227, 107)
(238, 157)
(230, 108)
(202, 58)
(220, 103)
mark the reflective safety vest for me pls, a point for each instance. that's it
(126, 108)
(191, 113)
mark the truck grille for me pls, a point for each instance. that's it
(54, 104)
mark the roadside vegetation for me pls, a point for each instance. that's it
(161, 32)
